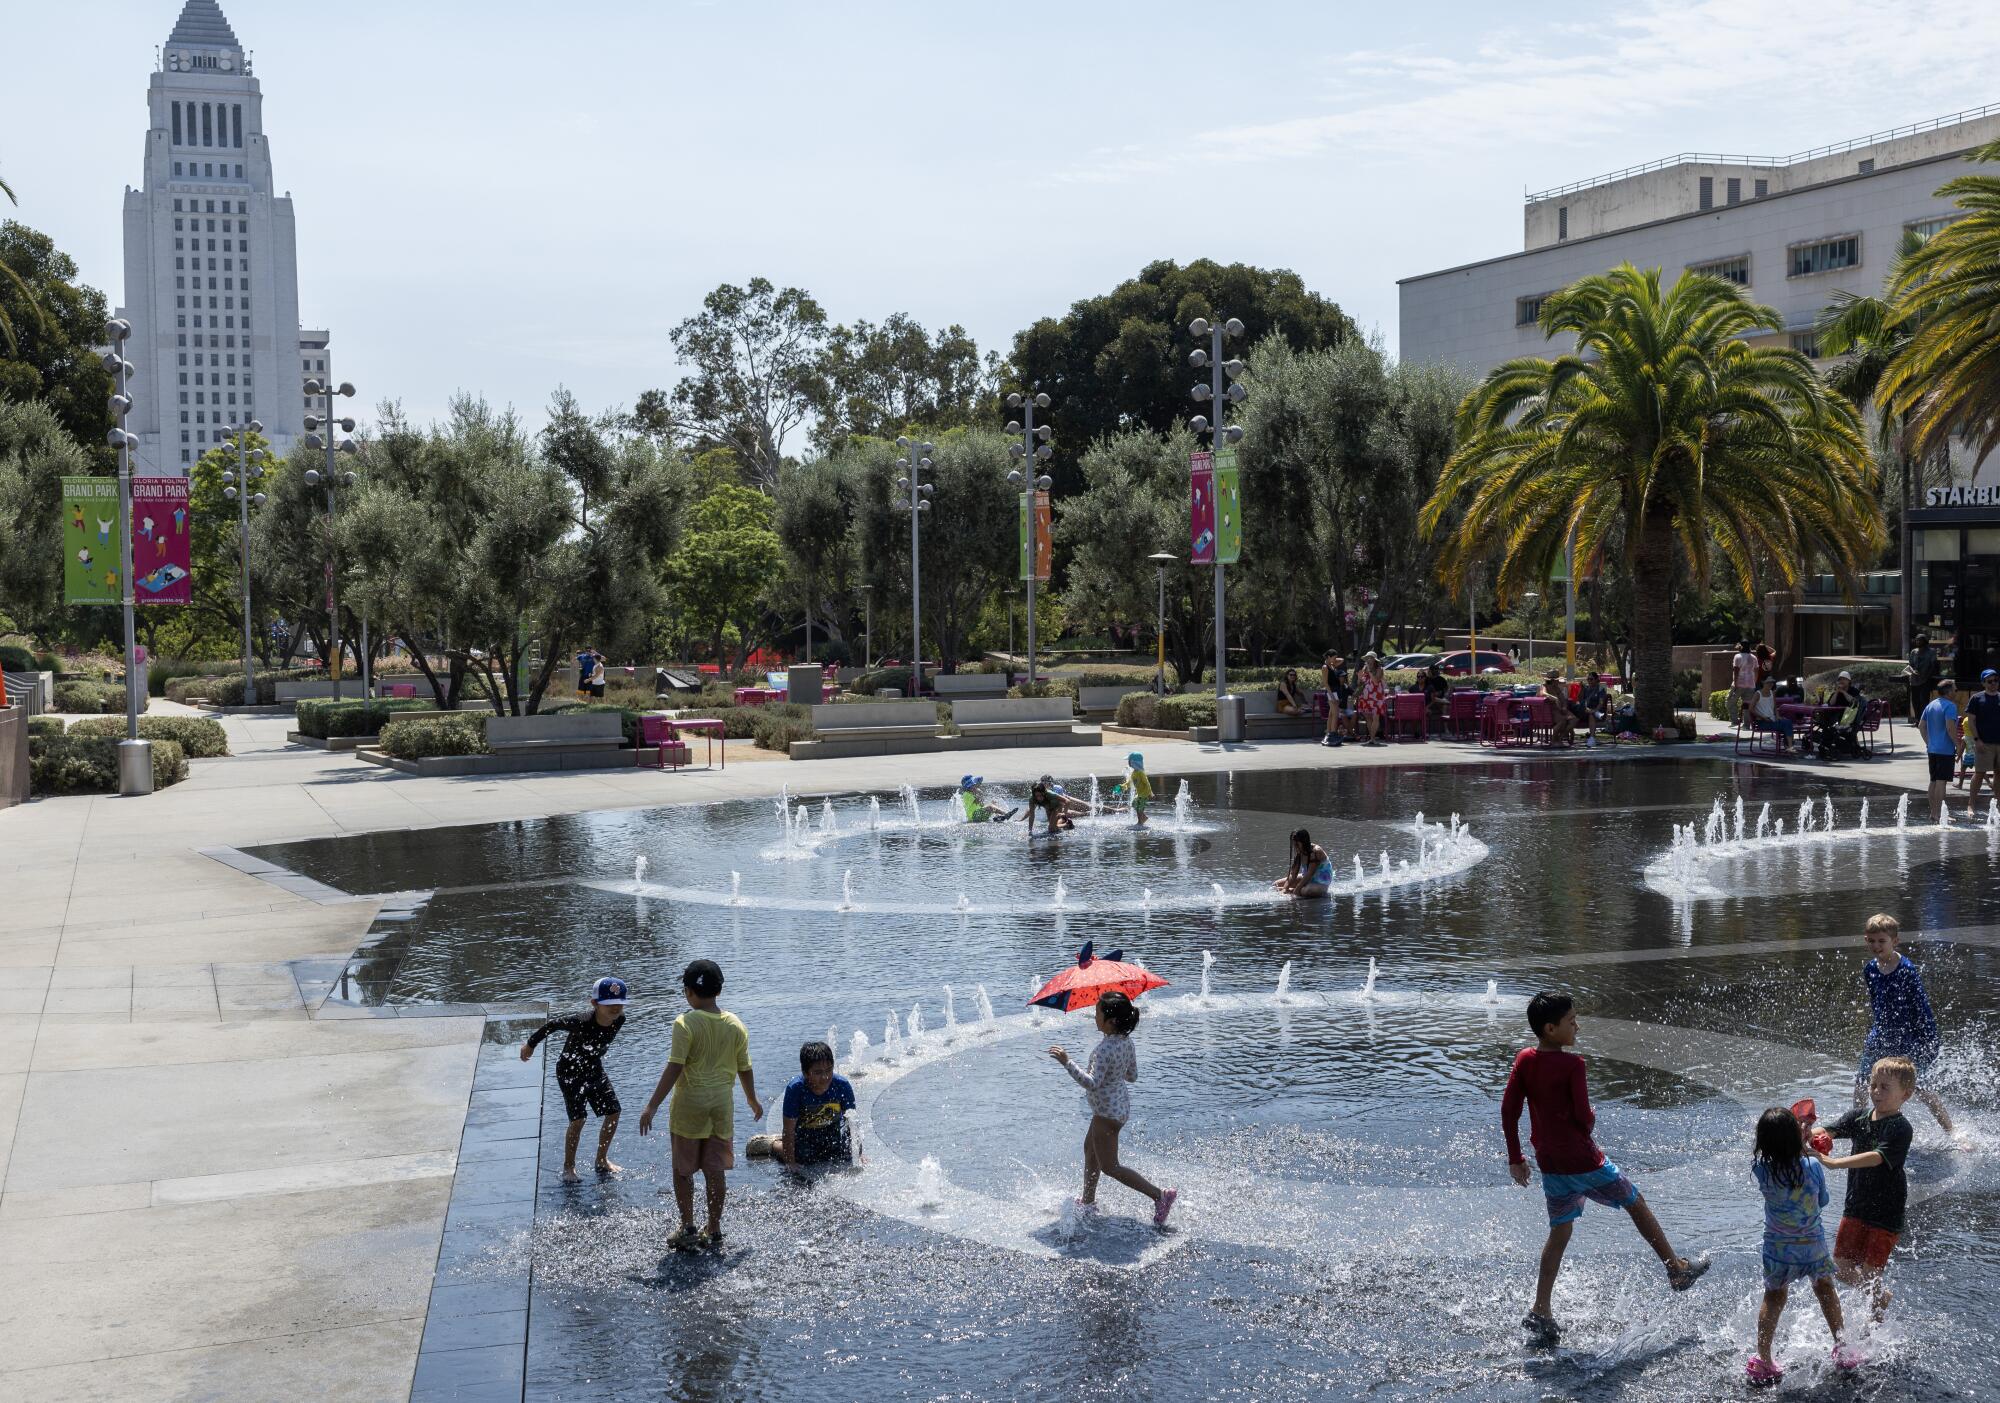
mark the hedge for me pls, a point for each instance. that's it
(16, 659)
(92, 697)
(198, 737)
(419, 737)
(324, 718)
(1135, 677)
(227, 689)
(1718, 705)
(1177, 711)
(776, 731)
(89, 764)
(1046, 687)
(883, 678)
(44, 726)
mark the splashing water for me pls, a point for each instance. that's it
(1902, 812)
(916, 1024)
(964, 904)
(847, 890)
(735, 888)
(857, 1047)
(910, 803)
(1739, 818)
(829, 822)
(892, 1038)
(874, 813)
(833, 1035)
(1864, 816)
(929, 1190)
(984, 1004)
(1096, 800)
(1368, 984)
(1215, 894)
(1360, 872)
(1763, 820)
(1827, 811)
(1993, 816)
(950, 1008)
(1061, 893)
(638, 869)
(1146, 899)
(1385, 867)
(1492, 991)
(1207, 963)
(1183, 806)
(1284, 979)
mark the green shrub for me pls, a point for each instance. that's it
(84, 698)
(1687, 687)
(1883, 679)
(323, 718)
(1139, 709)
(44, 726)
(161, 671)
(1123, 677)
(89, 764)
(1179, 711)
(882, 679)
(1045, 687)
(198, 737)
(1718, 704)
(226, 689)
(14, 658)
(775, 731)
(420, 737)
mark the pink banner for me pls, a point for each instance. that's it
(160, 555)
(1201, 477)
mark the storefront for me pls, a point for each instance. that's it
(1955, 557)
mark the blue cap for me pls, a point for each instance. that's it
(1988, 673)
(609, 990)
(1136, 760)
(971, 781)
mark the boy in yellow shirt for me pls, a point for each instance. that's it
(710, 1049)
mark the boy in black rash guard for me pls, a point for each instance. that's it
(580, 1071)
(1871, 1220)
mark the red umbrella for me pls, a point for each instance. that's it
(1080, 985)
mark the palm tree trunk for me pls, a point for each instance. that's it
(1652, 621)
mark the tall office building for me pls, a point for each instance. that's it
(211, 263)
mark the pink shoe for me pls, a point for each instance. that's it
(1846, 1356)
(1762, 1375)
(1164, 1206)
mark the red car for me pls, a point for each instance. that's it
(1459, 664)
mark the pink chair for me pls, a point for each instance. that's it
(1462, 713)
(1409, 716)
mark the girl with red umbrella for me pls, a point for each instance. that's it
(1114, 1066)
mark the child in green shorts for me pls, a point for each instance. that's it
(710, 1049)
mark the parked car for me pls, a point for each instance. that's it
(1460, 664)
(1409, 660)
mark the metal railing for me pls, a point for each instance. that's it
(1708, 158)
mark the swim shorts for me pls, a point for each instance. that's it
(1857, 1242)
(713, 1154)
(1793, 1259)
(585, 1087)
(1605, 1184)
(1942, 767)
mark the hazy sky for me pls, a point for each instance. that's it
(507, 196)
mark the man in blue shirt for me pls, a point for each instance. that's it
(1983, 711)
(1943, 737)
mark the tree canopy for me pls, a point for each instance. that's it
(57, 322)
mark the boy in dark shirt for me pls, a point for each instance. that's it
(1901, 1023)
(580, 1071)
(1871, 1218)
(817, 1103)
(1548, 1078)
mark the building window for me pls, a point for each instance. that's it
(1736, 270)
(236, 124)
(177, 170)
(177, 130)
(1763, 188)
(1924, 228)
(184, 416)
(177, 223)
(185, 455)
(1527, 310)
(207, 125)
(1823, 256)
(1708, 192)
(1562, 221)
(1735, 191)
(1806, 343)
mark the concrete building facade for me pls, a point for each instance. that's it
(211, 259)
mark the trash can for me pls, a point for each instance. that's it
(1229, 720)
(135, 767)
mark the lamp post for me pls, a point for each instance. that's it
(1012, 595)
(1033, 447)
(135, 756)
(249, 467)
(868, 628)
(1161, 560)
(326, 389)
(1531, 599)
(917, 493)
(1221, 395)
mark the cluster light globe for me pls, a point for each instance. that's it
(1198, 327)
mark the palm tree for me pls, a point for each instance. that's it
(1946, 380)
(7, 322)
(1664, 436)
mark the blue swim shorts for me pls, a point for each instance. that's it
(1794, 1259)
(1605, 1184)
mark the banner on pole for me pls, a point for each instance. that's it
(160, 552)
(1044, 550)
(1201, 505)
(90, 547)
(1228, 507)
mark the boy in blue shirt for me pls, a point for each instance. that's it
(817, 1103)
(1901, 1023)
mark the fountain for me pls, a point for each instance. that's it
(874, 813)
(1061, 892)
(828, 822)
(964, 904)
(1385, 867)
(950, 1009)
(929, 1189)
(735, 888)
(1739, 818)
(1763, 821)
(1096, 800)
(1492, 992)
(984, 1004)
(1215, 894)
(1993, 816)
(1183, 807)
(1146, 900)
(857, 1048)
(916, 1024)
(910, 803)
(1863, 825)
(638, 869)
(1368, 984)
(1207, 962)
(847, 890)
(892, 1038)
(1902, 812)
(1284, 980)
(1360, 872)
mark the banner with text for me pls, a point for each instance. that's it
(90, 550)
(1201, 509)
(1228, 507)
(160, 537)
(1044, 552)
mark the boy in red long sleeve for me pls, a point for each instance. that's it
(1548, 1079)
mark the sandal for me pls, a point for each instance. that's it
(1687, 1273)
(1760, 1374)
(686, 1240)
(1542, 1331)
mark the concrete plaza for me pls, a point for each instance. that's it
(209, 1191)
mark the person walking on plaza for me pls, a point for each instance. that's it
(1742, 681)
(1943, 735)
(710, 1049)
(1983, 711)
(1924, 671)
(1371, 699)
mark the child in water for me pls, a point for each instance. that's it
(709, 1051)
(1137, 789)
(1311, 872)
(1048, 798)
(977, 810)
(1113, 1068)
(580, 1071)
(1901, 1023)
(1794, 1189)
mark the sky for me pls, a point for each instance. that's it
(506, 197)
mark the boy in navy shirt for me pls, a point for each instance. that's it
(580, 1071)
(817, 1103)
(1901, 1023)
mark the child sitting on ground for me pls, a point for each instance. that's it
(710, 1049)
(817, 1103)
(977, 810)
(1871, 1217)
(1549, 1079)
(1048, 799)
(1901, 1023)
(1794, 1190)
(1311, 870)
(580, 1071)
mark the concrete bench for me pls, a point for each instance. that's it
(565, 731)
(1261, 718)
(970, 684)
(875, 720)
(1013, 716)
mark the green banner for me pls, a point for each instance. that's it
(90, 540)
(1228, 507)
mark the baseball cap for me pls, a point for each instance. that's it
(1845, 677)
(704, 977)
(1136, 760)
(609, 990)
(971, 781)
(1988, 673)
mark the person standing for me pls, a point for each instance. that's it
(1943, 735)
(1924, 672)
(1983, 710)
(1742, 682)
(1333, 677)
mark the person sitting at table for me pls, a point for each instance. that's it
(1437, 690)
(1764, 714)
(1839, 717)
(1596, 700)
(1291, 700)
(1568, 713)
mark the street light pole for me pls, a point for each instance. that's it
(919, 458)
(1222, 396)
(326, 389)
(135, 756)
(868, 628)
(248, 466)
(1531, 599)
(1033, 447)
(1161, 560)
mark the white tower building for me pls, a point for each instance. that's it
(211, 262)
